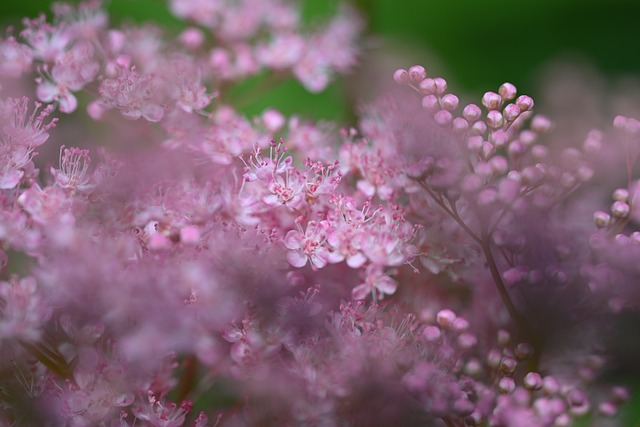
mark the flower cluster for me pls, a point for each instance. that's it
(187, 265)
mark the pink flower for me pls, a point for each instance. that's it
(134, 94)
(308, 245)
(375, 280)
(74, 164)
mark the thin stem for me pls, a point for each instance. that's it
(452, 213)
(497, 279)
(484, 242)
(188, 378)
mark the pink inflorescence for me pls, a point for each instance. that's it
(438, 263)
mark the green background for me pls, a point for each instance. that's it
(479, 44)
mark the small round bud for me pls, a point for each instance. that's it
(445, 318)
(427, 86)
(500, 138)
(541, 124)
(495, 119)
(441, 85)
(507, 91)
(460, 125)
(633, 126)
(401, 76)
(621, 195)
(508, 365)
(511, 112)
(584, 173)
(525, 103)
(622, 239)
(576, 397)
(506, 385)
(503, 338)
(417, 73)
(430, 102)
(593, 144)
(528, 137)
(568, 180)
(273, 120)
(473, 368)
(474, 143)
(478, 128)
(487, 197)
(432, 334)
(620, 122)
(472, 112)
(531, 175)
(192, 38)
(450, 102)
(620, 394)
(493, 358)
(513, 276)
(601, 219)
(533, 381)
(539, 152)
(488, 150)
(443, 117)
(492, 101)
(466, 341)
(471, 184)
(516, 149)
(499, 165)
(523, 351)
(620, 209)
(550, 385)
(608, 409)
(460, 325)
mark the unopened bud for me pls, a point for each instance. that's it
(507, 91)
(417, 73)
(401, 76)
(492, 101)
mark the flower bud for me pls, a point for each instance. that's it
(460, 125)
(525, 103)
(443, 117)
(472, 112)
(450, 102)
(432, 334)
(507, 91)
(417, 73)
(620, 209)
(506, 385)
(601, 219)
(430, 102)
(541, 124)
(401, 76)
(427, 86)
(621, 195)
(495, 119)
(511, 112)
(441, 85)
(445, 318)
(492, 101)
(533, 381)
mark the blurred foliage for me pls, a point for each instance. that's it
(477, 45)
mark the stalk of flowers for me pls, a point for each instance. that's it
(220, 272)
